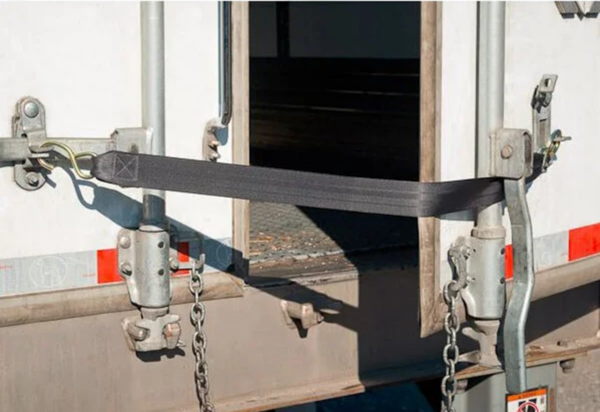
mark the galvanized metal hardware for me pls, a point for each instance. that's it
(308, 314)
(29, 149)
(523, 282)
(545, 141)
(511, 154)
(581, 9)
(543, 145)
(568, 365)
(144, 264)
(154, 329)
(483, 331)
(211, 143)
(451, 352)
(479, 298)
(515, 165)
(146, 258)
(199, 340)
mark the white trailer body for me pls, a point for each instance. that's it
(62, 298)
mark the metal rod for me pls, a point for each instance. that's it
(226, 59)
(153, 99)
(488, 262)
(490, 97)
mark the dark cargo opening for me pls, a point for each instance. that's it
(334, 88)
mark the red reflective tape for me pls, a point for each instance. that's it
(183, 254)
(107, 266)
(508, 262)
(584, 241)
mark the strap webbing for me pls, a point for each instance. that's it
(382, 196)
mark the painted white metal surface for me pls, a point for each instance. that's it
(82, 60)
(539, 41)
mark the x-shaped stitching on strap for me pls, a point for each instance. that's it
(126, 167)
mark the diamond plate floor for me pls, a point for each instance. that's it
(284, 231)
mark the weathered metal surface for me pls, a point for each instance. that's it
(578, 391)
(374, 340)
(42, 307)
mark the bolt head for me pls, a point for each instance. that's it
(31, 109)
(126, 268)
(32, 178)
(125, 242)
(507, 151)
(174, 264)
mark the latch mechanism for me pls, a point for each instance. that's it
(545, 141)
(515, 154)
(26, 147)
(146, 260)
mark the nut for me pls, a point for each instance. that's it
(33, 179)
(126, 268)
(174, 264)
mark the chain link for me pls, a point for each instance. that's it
(197, 316)
(451, 352)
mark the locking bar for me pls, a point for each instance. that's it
(523, 282)
(540, 149)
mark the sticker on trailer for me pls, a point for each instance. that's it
(531, 401)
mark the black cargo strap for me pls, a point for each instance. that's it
(357, 194)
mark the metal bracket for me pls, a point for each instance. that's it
(306, 315)
(150, 333)
(511, 153)
(545, 142)
(474, 296)
(210, 143)
(29, 133)
(485, 333)
(582, 9)
(145, 260)
(29, 125)
(144, 264)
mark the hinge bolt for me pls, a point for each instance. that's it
(33, 179)
(174, 264)
(507, 151)
(125, 242)
(31, 109)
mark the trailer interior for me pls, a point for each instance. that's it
(334, 88)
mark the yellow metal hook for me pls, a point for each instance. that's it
(73, 157)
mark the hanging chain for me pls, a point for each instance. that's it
(197, 316)
(451, 352)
